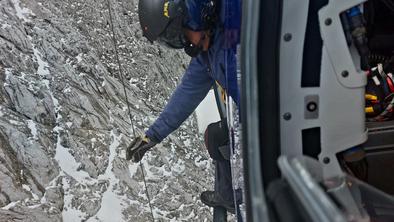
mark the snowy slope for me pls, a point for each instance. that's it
(64, 122)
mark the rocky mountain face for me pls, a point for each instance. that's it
(64, 123)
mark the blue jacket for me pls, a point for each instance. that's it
(198, 79)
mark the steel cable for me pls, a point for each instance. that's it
(128, 104)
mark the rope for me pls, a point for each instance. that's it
(128, 104)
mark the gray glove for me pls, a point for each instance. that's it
(136, 150)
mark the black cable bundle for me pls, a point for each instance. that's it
(389, 4)
(387, 61)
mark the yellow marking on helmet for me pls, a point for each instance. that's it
(369, 109)
(166, 13)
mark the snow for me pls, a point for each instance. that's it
(54, 100)
(191, 216)
(34, 206)
(42, 66)
(14, 122)
(43, 70)
(79, 57)
(8, 73)
(200, 163)
(67, 162)
(33, 129)
(178, 167)
(70, 179)
(111, 203)
(133, 169)
(21, 12)
(67, 90)
(10, 205)
(27, 188)
(93, 141)
(187, 142)
(70, 214)
(162, 170)
(23, 76)
(4, 26)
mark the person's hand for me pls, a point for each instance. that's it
(136, 150)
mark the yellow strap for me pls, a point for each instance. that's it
(166, 10)
(223, 94)
(370, 97)
(369, 109)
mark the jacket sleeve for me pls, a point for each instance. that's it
(193, 88)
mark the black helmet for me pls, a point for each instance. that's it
(162, 20)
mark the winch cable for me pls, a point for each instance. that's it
(127, 101)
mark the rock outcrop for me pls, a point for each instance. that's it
(64, 122)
